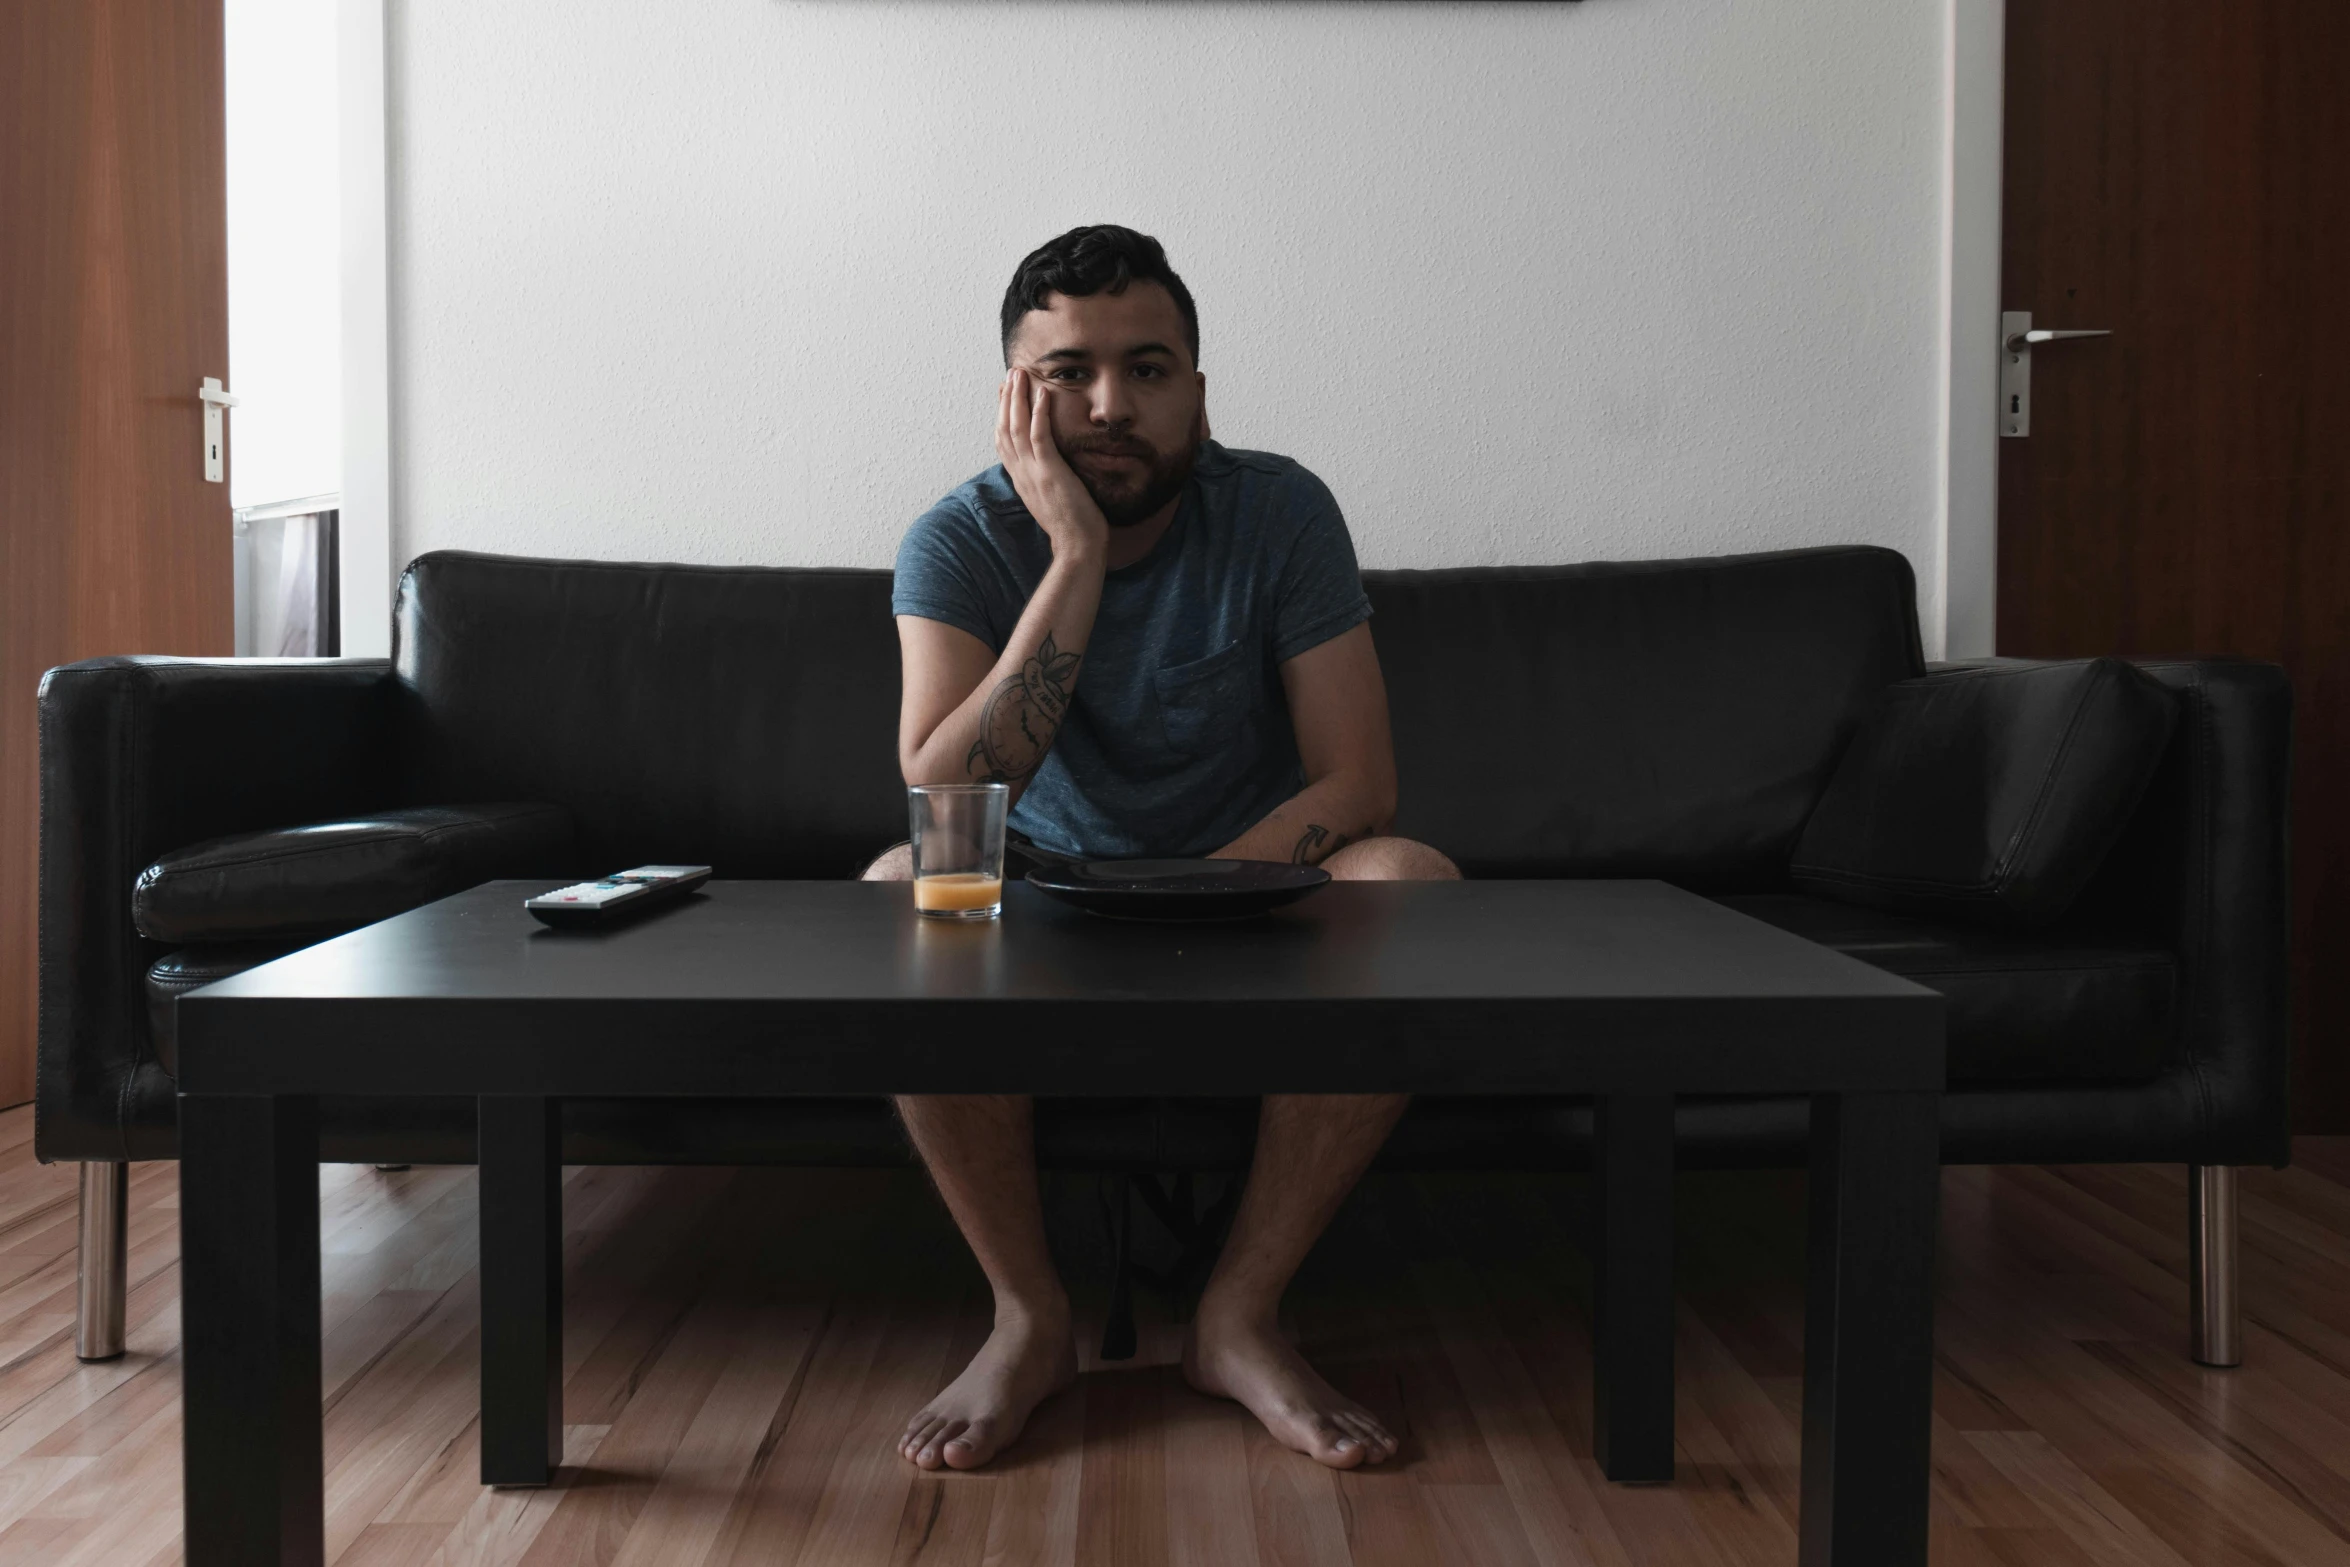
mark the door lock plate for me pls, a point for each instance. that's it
(215, 398)
(2015, 373)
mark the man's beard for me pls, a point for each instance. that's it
(1126, 501)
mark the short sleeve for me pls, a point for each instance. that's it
(1319, 591)
(936, 577)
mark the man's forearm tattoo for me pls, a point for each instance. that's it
(1022, 715)
(1316, 844)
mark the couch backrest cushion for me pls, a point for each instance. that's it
(1671, 718)
(739, 717)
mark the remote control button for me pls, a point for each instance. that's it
(589, 893)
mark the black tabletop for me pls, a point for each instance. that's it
(770, 988)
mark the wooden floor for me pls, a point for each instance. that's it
(742, 1345)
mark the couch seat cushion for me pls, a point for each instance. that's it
(328, 877)
(2058, 1006)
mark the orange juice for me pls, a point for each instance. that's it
(957, 892)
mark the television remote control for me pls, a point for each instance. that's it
(601, 905)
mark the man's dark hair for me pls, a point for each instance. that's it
(1101, 258)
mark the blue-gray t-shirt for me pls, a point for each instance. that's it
(1178, 739)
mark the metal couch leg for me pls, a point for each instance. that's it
(2213, 1306)
(105, 1261)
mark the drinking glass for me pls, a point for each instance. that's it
(959, 849)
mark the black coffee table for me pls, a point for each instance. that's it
(1629, 991)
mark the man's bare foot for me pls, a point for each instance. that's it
(1025, 1361)
(1252, 1364)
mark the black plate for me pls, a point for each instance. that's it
(1178, 889)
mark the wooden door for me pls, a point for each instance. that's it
(2179, 172)
(113, 308)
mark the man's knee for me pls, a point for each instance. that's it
(1390, 859)
(895, 864)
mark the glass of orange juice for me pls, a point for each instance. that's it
(959, 849)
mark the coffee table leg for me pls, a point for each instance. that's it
(521, 1154)
(1632, 1289)
(253, 1456)
(1868, 1339)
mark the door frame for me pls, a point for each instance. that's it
(364, 530)
(1974, 137)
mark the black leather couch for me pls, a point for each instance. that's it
(2087, 859)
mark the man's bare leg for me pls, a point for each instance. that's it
(981, 1152)
(1311, 1149)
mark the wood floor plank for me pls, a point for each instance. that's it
(1478, 1526)
(392, 1545)
(152, 1388)
(25, 1484)
(865, 1488)
(43, 1389)
(1972, 1492)
(42, 1191)
(945, 1521)
(592, 1521)
(1211, 1510)
(2325, 1157)
(830, 1485)
(2095, 1522)
(16, 1128)
(39, 1541)
(498, 1528)
(1740, 1453)
(1122, 1496)
(2032, 1548)
(361, 1209)
(128, 1495)
(1556, 1510)
(1533, 1302)
(781, 1491)
(1038, 1489)
(678, 1527)
(2270, 1197)
(1387, 1518)
(1294, 1501)
(2304, 1462)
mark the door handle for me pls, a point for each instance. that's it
(2027, 339)
(215, 397)
(2016, 341)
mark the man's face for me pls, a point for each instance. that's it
(1128, 408)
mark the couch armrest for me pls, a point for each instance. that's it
(2220, 829)
(2203, 864)
(140, 756)
(312, 880)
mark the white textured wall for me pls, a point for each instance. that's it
(717, 280)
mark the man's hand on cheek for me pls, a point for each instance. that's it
(1045, 482)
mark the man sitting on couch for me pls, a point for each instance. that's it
(1161, 646)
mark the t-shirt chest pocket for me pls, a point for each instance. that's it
(1202, 703)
